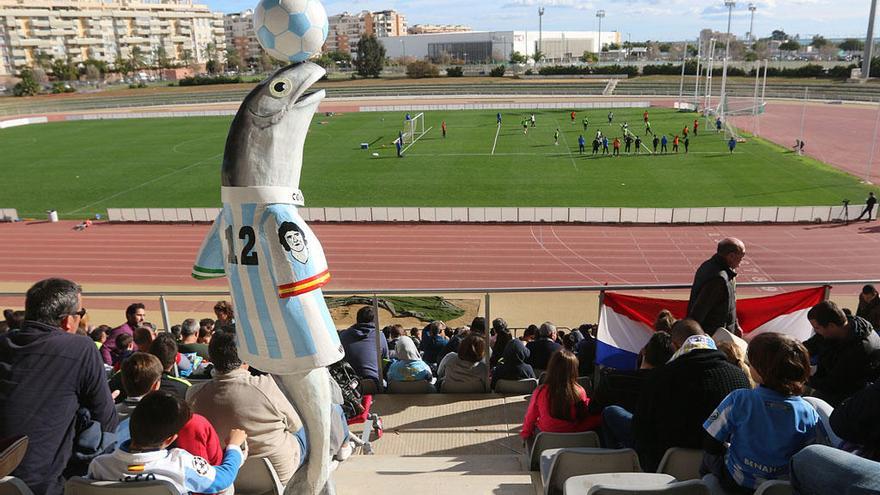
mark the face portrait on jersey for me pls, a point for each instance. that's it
(293, 240)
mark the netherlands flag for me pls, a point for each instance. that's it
(627, 322)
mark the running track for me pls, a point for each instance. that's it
(393, 256)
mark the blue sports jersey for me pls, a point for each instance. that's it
(276, 268)
(764, 428)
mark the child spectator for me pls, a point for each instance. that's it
(414, 335)
(143, 337)
(465, 367)
(560, 404)
(394, 332)
(99, 335)
(529, 333)
(154, 426)
(512, 364)
(141, 374)
(434, 343)
(124, 348)
(737, 357)
(764, 426)
(409, 366)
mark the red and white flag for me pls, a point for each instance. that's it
(626, 322)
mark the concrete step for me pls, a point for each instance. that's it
(433, 475)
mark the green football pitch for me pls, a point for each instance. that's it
(83, 168)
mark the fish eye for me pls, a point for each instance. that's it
(280, 87)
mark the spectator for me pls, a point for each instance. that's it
(124, 347)
(765, 426)
(465, 368)
(359, 342)
(820, 470)
(175, 332)
(225, 315)
(529, 334)
(502, 338)
(679, 396)
(235, 397)
(143, 337)
(165, 348)
(847, 351)
(14, 320)
(664, 321)
(154, 427)
(855, 421)
(99, 337)
(205, 336)
(478, 326)
(712, 301)
(585, 350)
(134, 316)
(452, 344)
(208, 324)
(737, 357)
(394, 333)
(543, 347)
(618, 392)
(512, 364)
(409, 366)
(141, 374)
(189, 334)
(869, 306)
(560, 405)
(433, 343)
(47, 375)
(414, 335)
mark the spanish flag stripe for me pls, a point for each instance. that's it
(299, 283)
(308, 285)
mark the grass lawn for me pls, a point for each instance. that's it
(82, 168)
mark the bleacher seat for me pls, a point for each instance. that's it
(633, 484)
(257, 476)
(775, 487)
(548, 440)
(519, 387)
(10, 485)
(558, 465)
(413, 387)
(461, 388)
(82, 486)
(682, 464)
(586, 383)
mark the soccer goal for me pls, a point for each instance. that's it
(415, 128)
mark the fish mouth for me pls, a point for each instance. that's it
(308, 97)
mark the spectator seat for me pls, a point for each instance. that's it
(10, 485)
(682, 464)
(448, 387)
(413, 387)
(558, 465)
(258, 477)
(548, 440)
(775, 487)
(82, 486)
(11, 453)
(632, 484)
(520, 387)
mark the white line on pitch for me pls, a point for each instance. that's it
(497, 131)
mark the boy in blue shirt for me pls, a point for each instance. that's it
(154, 425)
(764, 426)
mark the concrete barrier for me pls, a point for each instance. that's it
(629, 215)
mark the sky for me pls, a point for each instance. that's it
(639, 20)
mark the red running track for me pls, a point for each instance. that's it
(393, 256)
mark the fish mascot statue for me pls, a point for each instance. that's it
(272, 260)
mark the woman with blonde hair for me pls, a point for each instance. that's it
(560, 404)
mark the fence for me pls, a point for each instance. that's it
(768, 214)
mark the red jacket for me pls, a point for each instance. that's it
(199, 438)
(538, 415)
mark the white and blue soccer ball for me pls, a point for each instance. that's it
(291, 30)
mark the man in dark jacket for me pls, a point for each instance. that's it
(847, 351)
(869, 306)
(680, 395)
(855, 421)
(359, 342)
(543, 347)
(47, 373)
(712, 301)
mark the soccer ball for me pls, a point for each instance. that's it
(291, 30)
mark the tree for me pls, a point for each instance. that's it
(371, 57)
(518, 58)
(589, 57)
(136, 59)
(750, 56)
(43, 59)
(233, 59)
(818, 41)
(613, 46)
(421, 69)
(538, 56)
(790, 46)
(28, 85)
(778, 35)
(852, 45)
(212, 66)
(63, 70)
(761, 49)
(162, 59)
(266, 63)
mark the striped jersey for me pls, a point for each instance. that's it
(275, 267)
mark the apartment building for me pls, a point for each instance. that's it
(241, 36)
(438, 28)
(347, 28)
(389, 23)
(107, 30)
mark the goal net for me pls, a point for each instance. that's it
(415, 128)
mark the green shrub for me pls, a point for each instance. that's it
(421, 69)
(498, 71)
(203, 80)
(455, 72)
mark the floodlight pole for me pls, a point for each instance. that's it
(600, 14)
(541, 31)
(869, 43)
(752, 9)
(730, 4)
(803, 114)
(697, 78)
(681, 84)
(873, 146)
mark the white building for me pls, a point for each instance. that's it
(495, 46)
(240, 35)
(106, 30)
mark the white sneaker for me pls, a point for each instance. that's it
(344, 452)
